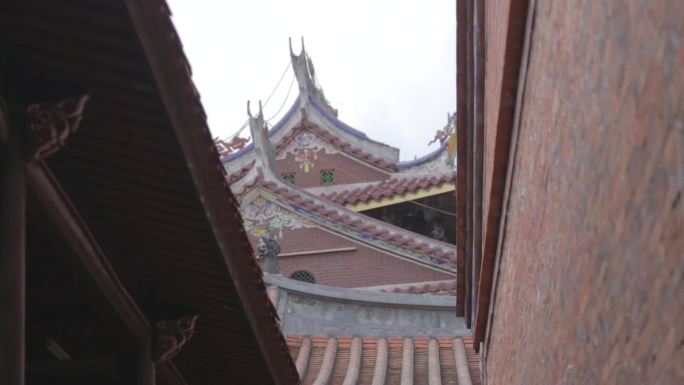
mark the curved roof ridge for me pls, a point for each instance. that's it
(423, 159)
(346, 146)
(327, 115)
(273, 130)
(396, 185)
(436, 253)
(336, 121)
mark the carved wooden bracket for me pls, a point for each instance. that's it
(50, 123)
(172, 335)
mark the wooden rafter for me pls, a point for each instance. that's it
(62, 212)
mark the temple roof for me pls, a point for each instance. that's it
(260, 174)
(372, 360)
(442, 287)
(431, 157)
(351, 336)
(393, 240)
(312, 110)
(144, 179)
(397, 186)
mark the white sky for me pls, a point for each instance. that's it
(387, 66)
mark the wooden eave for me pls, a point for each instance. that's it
(189, 123)
(144, 177)
(87, 250)
(409, 196)
(73, 229)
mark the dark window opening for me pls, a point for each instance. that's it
(289, 177)
(303, 276)
(431, 216)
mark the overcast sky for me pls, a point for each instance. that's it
(387, 66)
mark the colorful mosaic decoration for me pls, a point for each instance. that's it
(226, 148)
(263, 217)
(305, 148)
(328, 177)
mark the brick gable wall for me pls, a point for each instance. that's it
(591, 281)
(362, 267)
(347, 170)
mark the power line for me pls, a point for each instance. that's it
(282, 76)
(284, 101)
(289, 63)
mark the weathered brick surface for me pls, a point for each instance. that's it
(591, 284)
(361, 267)
(496, 35)
(347, 170)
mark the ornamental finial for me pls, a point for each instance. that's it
(268, 249)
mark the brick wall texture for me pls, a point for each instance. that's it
(347, 170)
(362, 267)
(495, 44)
(591, 279)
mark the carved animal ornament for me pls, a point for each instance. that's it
(50, 123)
(268, 249)
(172, 335)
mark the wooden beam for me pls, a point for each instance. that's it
(88, 252)
(147, 371)
(107, 366)
(419, 194)
(461, 146)
(4, 121)
(12, 254)
(167, 373)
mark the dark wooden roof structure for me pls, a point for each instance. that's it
(136, 201)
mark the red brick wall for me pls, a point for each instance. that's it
(495, 39)
(591, 282)
(362, 267)
(347, 170)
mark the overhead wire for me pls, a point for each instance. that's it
(284, 100)
(289, 63)
(282, 76)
